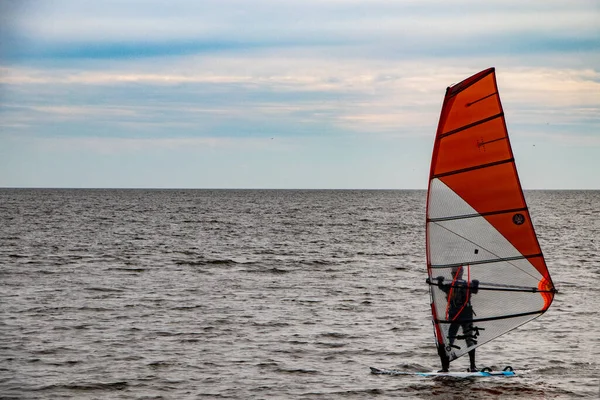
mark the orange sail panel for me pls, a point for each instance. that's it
(478, 221)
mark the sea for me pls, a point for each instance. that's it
(267, 294)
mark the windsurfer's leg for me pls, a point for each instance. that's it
(468, 333)
(443, 357)
(472, 367)
(452, 331)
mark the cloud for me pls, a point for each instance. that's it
(157, 20)
(277, 96)
(119, 145)
(383, 29)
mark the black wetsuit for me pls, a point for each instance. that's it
(460, 311)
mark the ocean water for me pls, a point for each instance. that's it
(261, 294)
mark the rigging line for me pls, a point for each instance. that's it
(489, 251)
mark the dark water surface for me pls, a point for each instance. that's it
(185, 294)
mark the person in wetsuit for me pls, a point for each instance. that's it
(460, 312)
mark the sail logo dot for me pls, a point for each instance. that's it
(518, 219)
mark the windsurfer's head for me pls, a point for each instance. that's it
(457, 272)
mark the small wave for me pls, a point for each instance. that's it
(96, 309)
(204, 262)
(365, 393)
(316, 262)
(187, 252)
(64, 363)
(512, 390)
(270, 324)
(17, 256)
(103, 289)
(186, 262)
(48, 309)
(159, 364)
(302, 371)
(551, 370)
(274, 270)
(307, 301)
(84, 386)
(329, 345)
(335, 335)
(220, 262)
(55, 350)
(267, 364)
(192, 340)
(127, 269)
(379, 254)
(182, 308)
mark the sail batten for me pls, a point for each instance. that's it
(499, 317)
(465, 216)
(475, 167)
(481, 242)
(483, 98)
(472, 125)
(489, 261)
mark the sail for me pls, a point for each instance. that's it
(487, 274)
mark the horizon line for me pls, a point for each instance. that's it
(246, 188)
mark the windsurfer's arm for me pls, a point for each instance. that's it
(474, 286)
(439, 282)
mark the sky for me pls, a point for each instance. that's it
(290, 94)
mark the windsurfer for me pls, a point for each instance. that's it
(460, 312)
